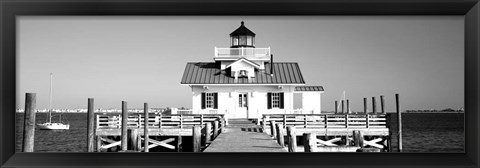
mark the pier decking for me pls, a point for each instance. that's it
(244, 136)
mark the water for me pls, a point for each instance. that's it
(422, 132)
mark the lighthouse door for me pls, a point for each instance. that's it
(242, 107)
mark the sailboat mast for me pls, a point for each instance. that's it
(50, 104)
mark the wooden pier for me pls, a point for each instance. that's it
(158, 130)
(330, 132)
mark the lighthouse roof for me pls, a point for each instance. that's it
(242, 30)
(286, 73)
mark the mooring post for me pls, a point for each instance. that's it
(343, 111)
(382, 105)
(29, 122)
(124, 133)
(215, 129)
(365, 105)
(336, 107)
(224, 125)
(207, 131)
(292, 139)
(272, 129)
(264, 124)
(179, 144)
(133, 135)
(358, 138)
(197, 138)
(99, 143)
(309, 142)
(280, 138)
(146, 138)
(399, 122)
(374, 105)
(91, 125)
(348, 106)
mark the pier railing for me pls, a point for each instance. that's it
(112, 120)
(328, 120)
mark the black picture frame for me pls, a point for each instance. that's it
(11, 8)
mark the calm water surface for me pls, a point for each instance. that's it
(422, 132)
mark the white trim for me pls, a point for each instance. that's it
(244, 60)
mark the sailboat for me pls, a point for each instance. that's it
(49, 125)
(343, 98)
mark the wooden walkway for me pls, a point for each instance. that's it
(244, 136)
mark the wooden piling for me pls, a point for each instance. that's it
(343, 111)
(365, 105)
(124, 137)
(132, 136)
(197, 138)
(309, 142)
(374, 105)
(207, 131)
(224, 125)
(178, 146)
(215, 129)
(99, 143)
(91, 125)
(280, 138)
(348, 106)
(399, 122)
(336, 107)
(292, 139)
(358, 138)
(382, 105)
(273, 131)
(146, 138)
(29, 122)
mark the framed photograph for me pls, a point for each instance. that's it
(239, 84)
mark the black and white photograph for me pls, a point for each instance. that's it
(240, 84)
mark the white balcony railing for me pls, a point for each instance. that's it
(242, 52)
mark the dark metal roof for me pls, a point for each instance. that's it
(309, 88)
(242, 30)
(210, 73)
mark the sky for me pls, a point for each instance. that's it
(142, 58)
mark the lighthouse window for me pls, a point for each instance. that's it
(243, 40)
(209, 100)
(234, 41)
(249, 40)
(276, 100)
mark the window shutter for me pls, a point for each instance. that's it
(203, 100)
(215, 101)
(281, 100)
(269, 100)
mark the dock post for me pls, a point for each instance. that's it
(99, 143)
(207, 131)
(382, 105)
(374, 105)
(348, 106)
(215, 129)
(146, 138)
(264, 125)
(224, 125)
(29, 122)
(124, 137)
(309, 142)
(197, 138)
(292, 139)
(365, 105)
(91, 125)
(358, 138)
(399, 122)
(133, 135)
(336, 107)
(280, 138)
(272, 129)
(179, 144)
(343, 111)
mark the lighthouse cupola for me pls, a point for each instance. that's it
(242, 37)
